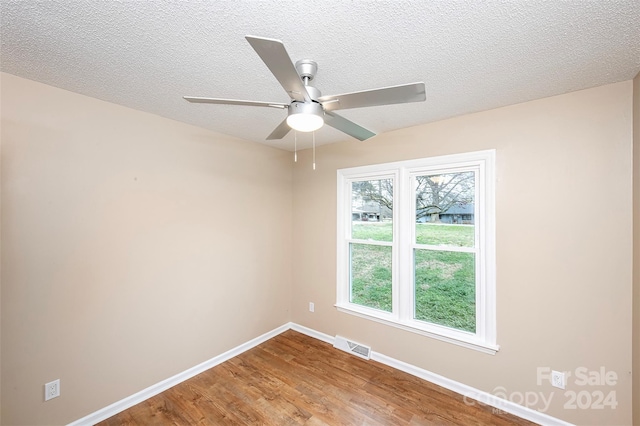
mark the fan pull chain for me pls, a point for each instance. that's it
(313, 135)
(295, 147)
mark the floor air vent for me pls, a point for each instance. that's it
(352, 347)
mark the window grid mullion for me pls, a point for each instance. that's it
(481, 279)
(404, 256)
(396, 267)
(370, 242)
(445, 248)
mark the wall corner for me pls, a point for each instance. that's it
(636, 251)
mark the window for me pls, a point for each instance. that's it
(416, 246)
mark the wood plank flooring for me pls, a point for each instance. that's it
(294, 379)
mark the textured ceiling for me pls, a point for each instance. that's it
(471, 55)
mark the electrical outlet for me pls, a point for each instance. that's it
(52, 390)
(311, 307)
(557, 379)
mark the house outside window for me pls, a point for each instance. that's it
(416, 246)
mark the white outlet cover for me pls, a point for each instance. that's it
(311, 307)
(557, 379)
(52, 390)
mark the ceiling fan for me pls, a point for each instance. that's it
(309, 110)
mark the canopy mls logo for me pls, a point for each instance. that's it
(596, 394)
(500, 396)
(586, 399)
(583, 376)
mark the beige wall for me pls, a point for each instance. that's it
(133, 247)
(636, 249)
(563, 244)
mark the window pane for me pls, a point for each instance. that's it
(372, 210)
(445, 289)
(445, 209)
(371, 276)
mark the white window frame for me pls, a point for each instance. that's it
(403, 174)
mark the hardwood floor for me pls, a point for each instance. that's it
(294, 379)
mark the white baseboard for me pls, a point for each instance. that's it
(470, 392)
(312, 333)
(138, 397)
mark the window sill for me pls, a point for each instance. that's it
(450, 336)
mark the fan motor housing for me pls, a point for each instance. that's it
(313, 108)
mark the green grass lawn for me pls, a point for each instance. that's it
(444, 281)
(426, 233)
(371, 276)
(445, 288)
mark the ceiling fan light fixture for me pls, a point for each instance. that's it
(305, 116)
(308, 108)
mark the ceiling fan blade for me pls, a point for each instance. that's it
(347, 126)
(280, 131)
(404, 93)
(275, 56)
(195, 99)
